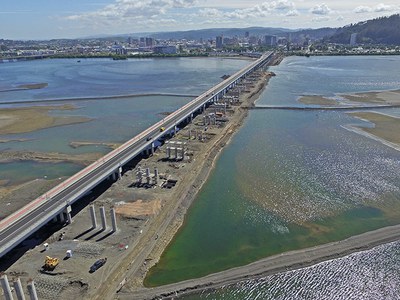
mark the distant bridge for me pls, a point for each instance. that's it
(57, 202)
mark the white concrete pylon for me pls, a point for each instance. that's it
(103, 218)
(6, 287)
(32, 291)
(18, 289)
(93, 216)
(113, 220)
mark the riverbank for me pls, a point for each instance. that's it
(271, 265)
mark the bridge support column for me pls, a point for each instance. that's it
(120, 172)
(18, 289)
(6, 288)
(114, 177)
(68, 210)
(152, 148)
(103, 218)
(62, 218)
(113, 220)
(190, 134)
(156, 176)
(93, 216)
(32, 290)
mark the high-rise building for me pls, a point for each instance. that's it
(353, 39)
(246, 34)
(219, 42)
(149, 42)
(270, 40)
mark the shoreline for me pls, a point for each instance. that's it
(286, 261)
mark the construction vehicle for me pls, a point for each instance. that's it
(162, 129)
(98, 264)
(50, 263)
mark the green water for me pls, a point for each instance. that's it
(288, 180)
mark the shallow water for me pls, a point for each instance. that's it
(288, 180)
(114, 120)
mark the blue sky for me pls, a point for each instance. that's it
(45, 19)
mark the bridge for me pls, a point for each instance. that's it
(57, 201)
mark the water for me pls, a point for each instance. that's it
(329, 75)
(372, 274)
(104, 77)
(113, 120)
(288, 180)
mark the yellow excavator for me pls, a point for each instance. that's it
(50, 263)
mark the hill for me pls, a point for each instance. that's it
(384, 30)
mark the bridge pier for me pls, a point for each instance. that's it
(93, 216)
(120, 172)
(18, 289)
(62, 217)
(152, 148)
(113, 220)
(103, 218)
(6, 287)
(68, 211)
(32, 290)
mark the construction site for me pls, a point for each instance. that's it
(121, 229)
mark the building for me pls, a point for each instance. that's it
(353, 39)
(270, 40)
(168, 49)
(219, 42)
(149, 42)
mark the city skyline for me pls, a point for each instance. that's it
(45, 19)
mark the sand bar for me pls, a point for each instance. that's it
(386, 127)
(28, 119)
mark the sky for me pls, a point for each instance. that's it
(46, 19)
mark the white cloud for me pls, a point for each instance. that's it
(292, 13)
(128, 9)
(321, 19)
(321, 9)
(362, 9)
(283, 5)
(382, 7)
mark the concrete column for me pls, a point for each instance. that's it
(168, 152)
(93, 216)
(68, 210)
(32, 291)
(114, 176)
(113, 220)
(175, 129)
(6, 287)
(18, 289)
(156, 176)
(103, 218)
(152, 148)
(62, 218)
(176, 153)
(183, 153)
(120, 172)
(190, 134)
(147, 172)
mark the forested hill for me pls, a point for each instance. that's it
(384, 30)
